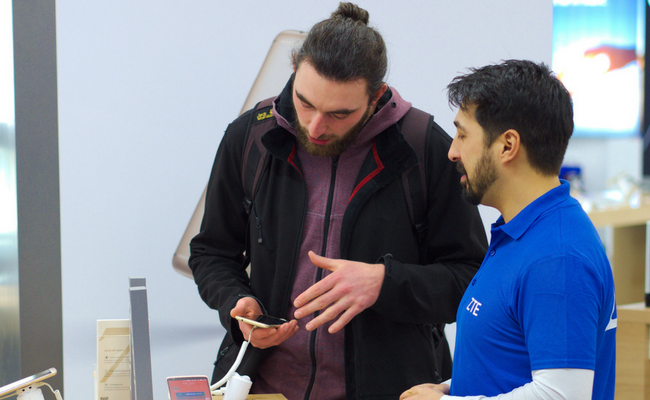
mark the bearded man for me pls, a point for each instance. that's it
(331, 246)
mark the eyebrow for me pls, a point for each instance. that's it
(460, 127)
(339, 111)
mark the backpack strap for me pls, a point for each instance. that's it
(254, 154)
(414, 126)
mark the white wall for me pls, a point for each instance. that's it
(602, 160)
(146, 89)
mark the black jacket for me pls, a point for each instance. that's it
(388, 347)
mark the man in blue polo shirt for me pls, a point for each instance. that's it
(539, 319)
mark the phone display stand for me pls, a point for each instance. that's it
(237, 387)
(216, 388)
(239, 383)
(30, 388)
(30, 393)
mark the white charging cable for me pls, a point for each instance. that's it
(57, 394)
(216, 388)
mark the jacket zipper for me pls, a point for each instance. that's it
(319, 275)
(258, 224)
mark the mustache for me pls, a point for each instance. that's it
(460, 168)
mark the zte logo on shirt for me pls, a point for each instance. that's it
(473, 307)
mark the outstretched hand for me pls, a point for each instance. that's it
(348, 290)
(262, 338)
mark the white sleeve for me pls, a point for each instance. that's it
(547, 384)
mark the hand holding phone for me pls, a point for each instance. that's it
(263, 321)
(246, 311)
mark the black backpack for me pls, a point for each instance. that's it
(413, 181)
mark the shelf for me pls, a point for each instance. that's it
(620, 217)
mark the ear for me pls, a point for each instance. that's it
(510, 145)
(378, 94)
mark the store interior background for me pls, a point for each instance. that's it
(145, 91)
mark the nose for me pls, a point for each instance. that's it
(454, 154)
(317, 126)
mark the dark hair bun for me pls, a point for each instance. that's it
(352, 11)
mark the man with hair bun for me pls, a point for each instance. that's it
(329, 237)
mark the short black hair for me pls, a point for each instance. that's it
(524, 96)
(344, 48)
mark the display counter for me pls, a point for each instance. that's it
(633, 352)
(628, 259)
(628, 251)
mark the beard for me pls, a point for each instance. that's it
(336, 146)
(485, 175)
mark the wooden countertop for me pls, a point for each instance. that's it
(620, 216)
(634, 312)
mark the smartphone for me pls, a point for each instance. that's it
(264, 321)
(19, 384)
(194, 387)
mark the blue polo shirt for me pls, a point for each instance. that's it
(543, 298)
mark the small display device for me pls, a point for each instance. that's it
(264, 321)
(195, 387)
(30, 380)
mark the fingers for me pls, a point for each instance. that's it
(322, 262)
(318, 289)
(343, 320)
(333, 302)
(427, 391)
(348, 290)
(264, 338)
(414, 391)
(342, 309)
(246, 307)
(444, 388)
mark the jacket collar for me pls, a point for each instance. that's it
(392, 149)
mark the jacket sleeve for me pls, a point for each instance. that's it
(217, 252)
(455, 246)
